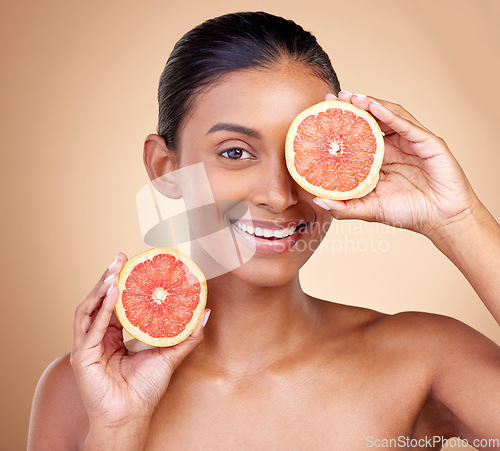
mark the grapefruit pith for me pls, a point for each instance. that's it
(162, 296)
(335, 150)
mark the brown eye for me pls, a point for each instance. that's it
(236, 154)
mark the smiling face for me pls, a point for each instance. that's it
(237, 129)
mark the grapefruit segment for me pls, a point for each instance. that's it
(162, 296)
(335, 150)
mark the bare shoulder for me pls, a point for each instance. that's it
(58, 418)
(430, 331)
(454, 369)
(464, 366)
(347, 319)
(437, 339)
(432, 337)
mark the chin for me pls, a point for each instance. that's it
(254, 261)
(265, 271)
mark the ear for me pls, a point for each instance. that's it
(160, 164)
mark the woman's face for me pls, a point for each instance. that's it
(237, 129)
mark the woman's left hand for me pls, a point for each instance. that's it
(421, 187)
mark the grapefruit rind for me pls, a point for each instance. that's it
(367, 184)
(197, 313)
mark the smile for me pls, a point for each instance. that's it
(261, 232)
(273, 239)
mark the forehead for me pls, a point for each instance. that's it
(257, 98)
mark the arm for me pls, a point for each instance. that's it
(58, 419)
(103, 396)
(466, 376)
(474, 247)
(423, 188)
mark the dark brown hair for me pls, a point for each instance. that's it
(229, 43)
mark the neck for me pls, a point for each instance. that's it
(252, 327)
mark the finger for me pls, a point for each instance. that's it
(100, 325)
(364, 208)
(115, 266)
(404, 128)
(394, 107)
(174, 355)
(362, 101)
(345, 96)
(86, 314)
(115, 322)
(331, 97)
(87, 310)
(84, 317)
(102, 285)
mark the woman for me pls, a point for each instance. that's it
(275, 368)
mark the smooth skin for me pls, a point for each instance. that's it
(275, 368)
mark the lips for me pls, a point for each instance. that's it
(269, 237)
(276, 232)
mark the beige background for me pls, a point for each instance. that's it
(78, 88)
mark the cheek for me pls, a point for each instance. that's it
(322, 222)
(230, 185)
(194, 184)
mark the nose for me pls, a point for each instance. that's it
(275, 188)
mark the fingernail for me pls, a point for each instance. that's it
(331, 97)
(346, 92)
(376, 103)
(114, 263)
(206, 318)
(107, 279)
(110, 288)
(321, 204)
(359, 95)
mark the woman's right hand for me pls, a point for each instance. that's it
(120, 389)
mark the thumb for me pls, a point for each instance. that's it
(174, 355)
(363, 208)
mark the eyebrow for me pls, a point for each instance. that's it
(235, 128)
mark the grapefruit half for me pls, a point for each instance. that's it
(162, 296)
(335, 150)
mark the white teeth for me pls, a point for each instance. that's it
(266, 233)
(280, 233)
